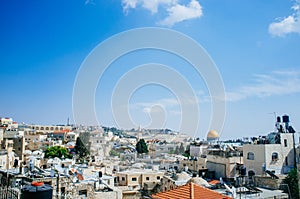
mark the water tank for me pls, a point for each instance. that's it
(285, 119)
(243, 171)
(37, 190)
(278, 119)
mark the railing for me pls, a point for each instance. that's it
(10, 193)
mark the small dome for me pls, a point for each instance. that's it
(199, 181)
(212, 134)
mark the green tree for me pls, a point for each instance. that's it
(176, 150)
(292, 181)
(114, 153)
(187, 151)
(141, 146)
(181, 149)
(81, 149)
(57, 151)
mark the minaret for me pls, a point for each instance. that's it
(140, 133)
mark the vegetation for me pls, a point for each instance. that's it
(187, 151)
(179, 150)
(57, 151)
(292, 181)
(114, 130)
(81, 149)
(141, 146)
(114, 153)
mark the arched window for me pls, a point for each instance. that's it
(274, 156)
(250, 156)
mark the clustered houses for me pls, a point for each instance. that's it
(112, 168)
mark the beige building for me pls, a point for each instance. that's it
(273, 152)
(49, 128)
(34, 141)
(197, 165)
(224, 163)
(16, 142)
(138, 178)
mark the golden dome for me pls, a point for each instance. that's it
(212, 134)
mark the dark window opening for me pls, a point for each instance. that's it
(285, 142)
(274, 156)
(82, 192)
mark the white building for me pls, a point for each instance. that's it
(276, 157)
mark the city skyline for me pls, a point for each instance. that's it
(253, 44)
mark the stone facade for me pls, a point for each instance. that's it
(278, 158)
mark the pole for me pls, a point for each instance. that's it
(294, 148)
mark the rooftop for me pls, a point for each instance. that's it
(190, 191)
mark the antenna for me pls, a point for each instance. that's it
(276, 120)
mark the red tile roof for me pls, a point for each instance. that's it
(214, 182)
(190, 191)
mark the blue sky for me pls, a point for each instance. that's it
(255, 45)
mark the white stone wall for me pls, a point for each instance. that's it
(263, 155)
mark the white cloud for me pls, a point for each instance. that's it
(127, 4)
(274, 84)
(174, 11)
(289, 24)
(154, 4)
(179, 13)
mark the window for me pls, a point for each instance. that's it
(133, 179)
(250, 156)
(158, 177)
(285, 142)
(147, 178)
(123, 178)
(286, 161)
(82, 193)
(274, 156)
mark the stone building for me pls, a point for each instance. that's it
(137, 178)
(224, 163)
(273, 152)
(196, 165)
(49, 128)
(14, 141)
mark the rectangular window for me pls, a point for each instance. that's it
(82, 193)
(285, 142)
(158, 177)
(250, 156)
(286, 161)
(123, 178)
(147, 178)
(133, 179)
